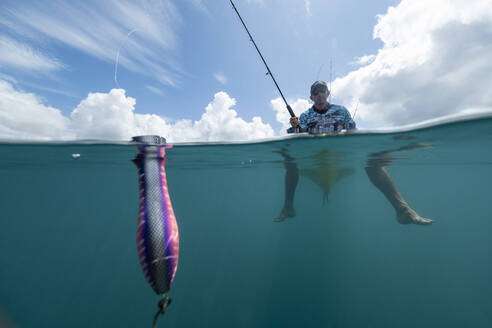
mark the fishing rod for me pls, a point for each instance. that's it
(264, 62)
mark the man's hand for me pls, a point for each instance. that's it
(294, 121)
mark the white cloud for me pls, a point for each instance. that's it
(111, 116)
(220, 122)
(282, 114)
(105, 116)
(8, 78)
(364, 60)
(307, 4)
(466, 115)
(23, 116)
(198, 4)
(221, 78)
(41, 86)
(21, 55)
(154, 90)
(99, 28)
(435, 61)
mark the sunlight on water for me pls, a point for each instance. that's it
(68, 255)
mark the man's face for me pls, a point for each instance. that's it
(320, 98)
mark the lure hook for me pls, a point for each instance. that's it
(162, 306)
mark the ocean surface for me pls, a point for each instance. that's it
(68, 254)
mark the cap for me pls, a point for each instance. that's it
(319, 86)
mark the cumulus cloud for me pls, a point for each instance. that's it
(111, 116)
(282, 115)
(105, 116)
(364, 60)
(435, 61)
(220, 122)
(23, 116)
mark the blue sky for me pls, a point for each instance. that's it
(178, 57)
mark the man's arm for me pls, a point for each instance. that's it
(298, 123)
(294, 122)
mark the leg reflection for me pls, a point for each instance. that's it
(382, 180)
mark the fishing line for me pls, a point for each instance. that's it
(162, 306)
(118, 57)
(355, 112)
(331, 77)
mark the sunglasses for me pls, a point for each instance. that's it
(317, 92)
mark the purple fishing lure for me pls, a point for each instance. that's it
(157, 230)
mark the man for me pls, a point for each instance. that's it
(322, 117)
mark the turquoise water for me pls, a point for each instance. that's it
(67, 239)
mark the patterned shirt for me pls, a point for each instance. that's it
(335, 119)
